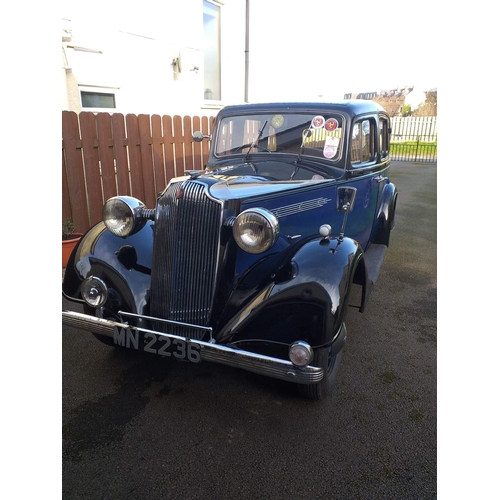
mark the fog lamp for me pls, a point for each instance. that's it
(300, 353)
(94, 291)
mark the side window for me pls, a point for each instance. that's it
(384, 137)
(362, 142)
(225, 137)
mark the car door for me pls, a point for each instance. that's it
(366, 175)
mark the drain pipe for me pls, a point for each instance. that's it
(247, 39)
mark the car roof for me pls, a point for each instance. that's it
(350, 107)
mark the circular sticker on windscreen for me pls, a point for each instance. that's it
(277, 121)
(331, 124)
(317, 122)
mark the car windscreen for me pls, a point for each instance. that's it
(293, 133)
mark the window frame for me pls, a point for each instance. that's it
(371, 142)
(384, 136)
(218, 99)
(97, 93)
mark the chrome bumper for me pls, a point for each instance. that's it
(257, 363)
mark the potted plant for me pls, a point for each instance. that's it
(69, 240)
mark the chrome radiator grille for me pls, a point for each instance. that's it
(185, 254)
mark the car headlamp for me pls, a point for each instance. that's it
(255, 230)
(124, 215)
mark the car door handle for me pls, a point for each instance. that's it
(380, 179)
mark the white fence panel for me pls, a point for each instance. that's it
(414, 128)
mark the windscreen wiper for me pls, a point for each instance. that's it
(305, 134)
(255, 140)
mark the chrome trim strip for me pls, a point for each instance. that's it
(189, 325)
(256, 363)
(303, 206)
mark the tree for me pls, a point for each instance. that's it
(429, 107)
(406, 111)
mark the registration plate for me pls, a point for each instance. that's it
(157, 344)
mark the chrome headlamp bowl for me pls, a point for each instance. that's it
(124, 215)
(255, 230)
(94, 291)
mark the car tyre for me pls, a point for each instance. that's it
(331, 364)
(101, 338)
(105, 340)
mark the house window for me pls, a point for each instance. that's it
(97, 100)
(211, 33)
(347, 96)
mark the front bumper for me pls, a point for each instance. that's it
(237, 358)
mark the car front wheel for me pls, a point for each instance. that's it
(331, 364)
(102, 338)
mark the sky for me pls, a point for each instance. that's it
(316, 50)
(327, 48)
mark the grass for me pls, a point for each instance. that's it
(412, 148)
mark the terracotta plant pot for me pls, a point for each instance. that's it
(67, 247)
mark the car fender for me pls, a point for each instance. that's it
(324, 272)
(385, 218)
(124, 263)
(320, 272)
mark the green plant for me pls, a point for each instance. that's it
(68, 226)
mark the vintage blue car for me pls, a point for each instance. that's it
(249, 262)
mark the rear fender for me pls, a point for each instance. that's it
(385, 216)
(123, 263)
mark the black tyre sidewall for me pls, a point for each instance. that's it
(326, 386)
(102, 338)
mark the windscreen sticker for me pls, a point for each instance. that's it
(331, 147)
(331, 124)
(318, 122)
(277, 121)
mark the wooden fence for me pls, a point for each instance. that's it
(105, 155)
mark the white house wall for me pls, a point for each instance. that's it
(130, 54)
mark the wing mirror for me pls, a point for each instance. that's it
(199, 136)
(345, 199)
(345, 203)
